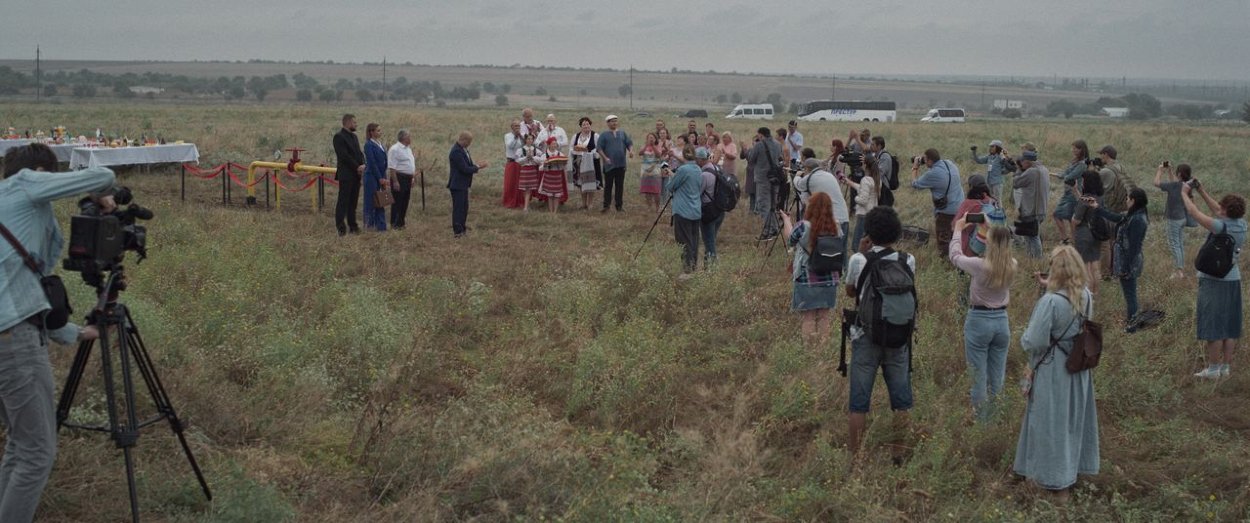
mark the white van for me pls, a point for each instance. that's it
(944, 116)
(752, 112)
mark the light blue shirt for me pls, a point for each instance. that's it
(994, 173)
(942, 180)
(686, 185)
(26, 210)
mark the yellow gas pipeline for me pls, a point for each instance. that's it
(298, 167)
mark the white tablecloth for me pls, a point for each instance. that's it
(5, 145)
(105, 156)
(63, 151)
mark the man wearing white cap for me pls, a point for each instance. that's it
(613, 147)
(997, 161)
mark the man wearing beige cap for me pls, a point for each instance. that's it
(613, 147)
(997, 162)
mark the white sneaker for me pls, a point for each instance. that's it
(1225, 370)
(1208, 373)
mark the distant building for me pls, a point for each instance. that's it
(1115, 112)
(1001, 104)
(143, 89)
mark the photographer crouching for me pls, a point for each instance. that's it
(34, 309)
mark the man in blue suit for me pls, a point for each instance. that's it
(461, 178)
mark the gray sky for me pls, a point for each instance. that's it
(1206, 39)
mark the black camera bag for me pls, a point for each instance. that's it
(53, 287)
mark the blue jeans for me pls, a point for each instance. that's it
(1129, 286)
(859, 233)
(1032, 245)
(1176, 241)
(987, 335)
(29, 417)
(865, 359)
(709, 231)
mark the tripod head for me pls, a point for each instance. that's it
(108, 284)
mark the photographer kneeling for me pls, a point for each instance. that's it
(29, 187)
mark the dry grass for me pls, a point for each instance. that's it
(535, 371)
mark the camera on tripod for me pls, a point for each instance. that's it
(98, 240)
(852, 159)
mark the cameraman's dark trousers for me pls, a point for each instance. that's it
(686, 232)
(399, 210)
(613, 178)
(347, 204)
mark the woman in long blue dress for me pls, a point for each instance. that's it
(375, 177)
(1059, 435)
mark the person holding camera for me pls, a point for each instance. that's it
(1067, 202)
(941, 178)
(865, 192)
(1175, 212)
(1219, 314)
(763, 160)
(997, 164)
(1031, 192)
(30, 185)
(987, 333)
(1129, 237)
(686, 186)
(1085, 217)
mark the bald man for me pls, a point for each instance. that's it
(459, 181)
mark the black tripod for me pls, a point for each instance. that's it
(653, 225)
(111, 316)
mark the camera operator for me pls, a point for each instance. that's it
(762, 158)
(941, 178)
(998, 165)
(29, 187)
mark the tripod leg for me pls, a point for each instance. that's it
(143, 360)
(72, 381)
(123, 436)
(653, 225)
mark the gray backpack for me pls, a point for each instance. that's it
(887, 300)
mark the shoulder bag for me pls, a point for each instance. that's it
(53, 287)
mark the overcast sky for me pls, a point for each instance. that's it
(1204, 39)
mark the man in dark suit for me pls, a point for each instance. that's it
(459, 181)
(350, 165)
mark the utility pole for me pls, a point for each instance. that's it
(983, 94)
(834, 94)
(38, 77)
(631, 87)
(383, 78)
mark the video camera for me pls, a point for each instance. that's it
(98, 241)
(852, 159)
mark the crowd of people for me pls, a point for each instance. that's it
(836, 215)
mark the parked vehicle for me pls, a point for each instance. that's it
(944, 115)
(752, 112)
(694, 113)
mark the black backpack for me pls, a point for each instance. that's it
(887, 300)
(828, 256)
(892, 182)
(1099, 228)
(726, 193)
(1218, 255)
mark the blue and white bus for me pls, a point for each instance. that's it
(848, 111)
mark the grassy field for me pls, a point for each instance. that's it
(534, 371)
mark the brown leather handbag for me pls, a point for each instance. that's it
(383, 198)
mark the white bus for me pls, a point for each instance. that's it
(848, 111)
(752, 112)
(944, 116)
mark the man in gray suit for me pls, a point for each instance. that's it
(762, 157)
